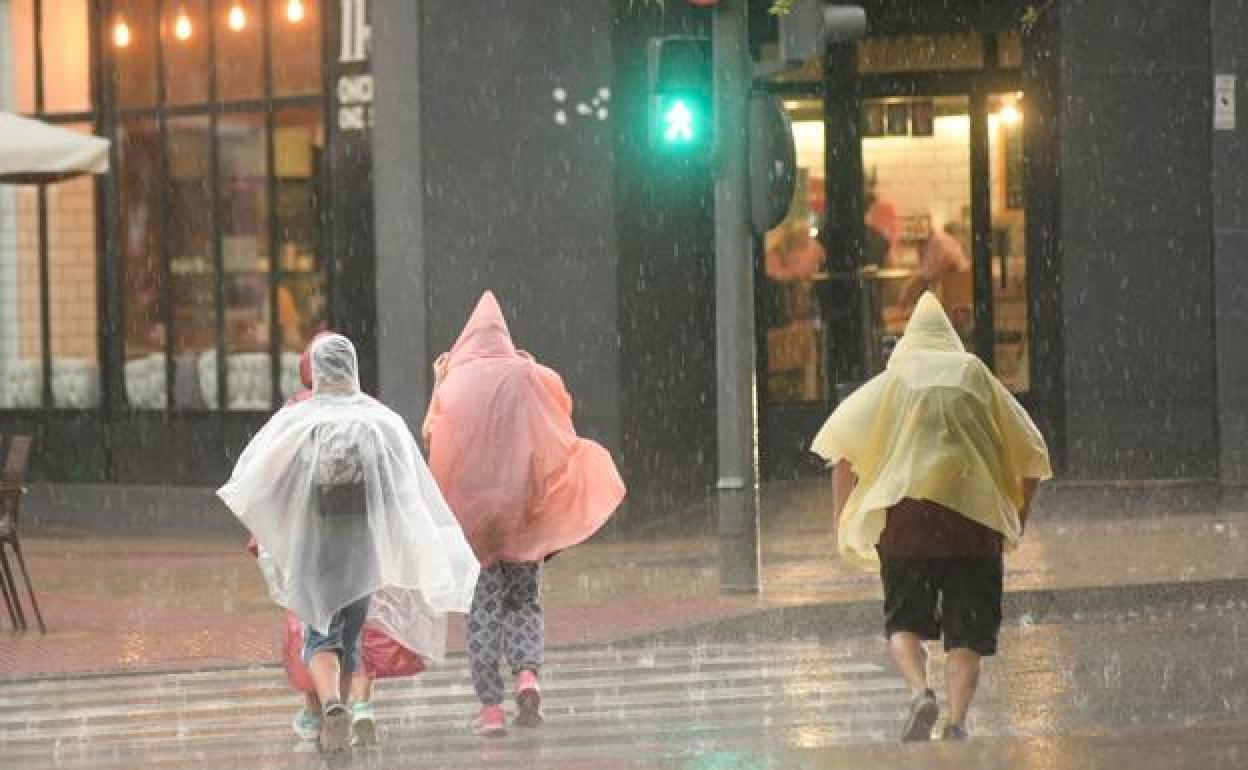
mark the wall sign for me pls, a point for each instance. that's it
(1224, 102)
(355, 82)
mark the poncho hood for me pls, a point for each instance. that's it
(929, 330)
(484, 336)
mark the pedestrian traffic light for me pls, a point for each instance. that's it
(681, 116)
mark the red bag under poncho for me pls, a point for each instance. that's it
(505, 454)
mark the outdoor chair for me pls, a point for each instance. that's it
(12, 479)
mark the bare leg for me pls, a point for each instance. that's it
(911, 660)
(361, 688)
(326, 675)
(961, 677)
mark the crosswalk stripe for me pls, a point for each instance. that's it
(594, 700)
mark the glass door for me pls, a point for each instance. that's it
(944, 212)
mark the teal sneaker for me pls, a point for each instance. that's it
(363, 725)
(307, 725)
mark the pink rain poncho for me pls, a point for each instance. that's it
(503, 449)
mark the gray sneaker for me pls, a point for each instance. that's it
(921, 719)
(335, 728)
(954, 733)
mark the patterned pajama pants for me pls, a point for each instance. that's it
(506, 616)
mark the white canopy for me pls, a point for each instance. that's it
(32, 152)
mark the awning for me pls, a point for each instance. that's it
(33, 152)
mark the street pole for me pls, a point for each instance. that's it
(737, 487)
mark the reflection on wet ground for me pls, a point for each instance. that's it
(1059, 696)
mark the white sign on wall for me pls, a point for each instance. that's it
(1224, 102)
(355, 91)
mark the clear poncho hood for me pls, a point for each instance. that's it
(343, 506)
(934, 425)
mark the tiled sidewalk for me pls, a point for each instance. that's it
(142, 604)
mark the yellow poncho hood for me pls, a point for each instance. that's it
(934, 425)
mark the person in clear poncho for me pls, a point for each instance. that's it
(523, 484)
(350, 526)
(935, 467)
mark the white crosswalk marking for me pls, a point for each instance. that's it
(603, 704)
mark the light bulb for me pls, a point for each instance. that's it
(121, 33)
(237, 18)
(182, 26)
(1010, 114)
(294, 11)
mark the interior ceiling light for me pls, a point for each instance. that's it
(237, 18)
(121, 33)
(182, 26)
(294, 11)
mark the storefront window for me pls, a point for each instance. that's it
(48, 270)
(295, 30)
(72, 284)
(130, 35)
(192, 272)
(21, 339)
(1008, 244)
(17, 55)
(302, 296)
(242, 147)
(232, 185)
(793, 268)
(138, 181)
(66, 55)
(184, 46)
(239, 50)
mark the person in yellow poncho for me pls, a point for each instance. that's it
(935, 464)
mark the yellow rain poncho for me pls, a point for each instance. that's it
(934, 425)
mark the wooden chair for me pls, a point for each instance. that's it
(12, 480)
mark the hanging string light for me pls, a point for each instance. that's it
(182, 28)
(294, 11)
(121, 33)
(236, 18)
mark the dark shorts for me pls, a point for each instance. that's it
(958, 598)
(342, 637)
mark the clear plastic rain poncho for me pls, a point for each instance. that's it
(934, 425)
(343, 506)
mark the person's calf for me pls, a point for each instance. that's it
(911, 659)
(962, 666)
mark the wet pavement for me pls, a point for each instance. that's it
(153, 604)
(1084, 694)
(1121, 635)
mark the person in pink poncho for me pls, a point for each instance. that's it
(522, 485)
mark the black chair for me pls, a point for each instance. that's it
(12, 481)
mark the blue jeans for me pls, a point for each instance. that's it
(343, 636)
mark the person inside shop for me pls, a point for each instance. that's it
(523, 485)
(943, 269)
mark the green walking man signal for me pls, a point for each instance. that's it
(681, 116)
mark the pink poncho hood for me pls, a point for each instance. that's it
(504, 451)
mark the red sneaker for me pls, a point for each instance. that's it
(491, 722)
(528, 700)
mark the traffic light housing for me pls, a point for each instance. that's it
(681, 115)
